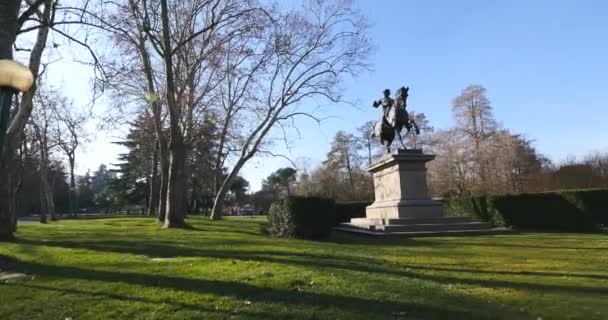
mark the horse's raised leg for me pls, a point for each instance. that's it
(386, 144)
(416, 128)
(401, 139)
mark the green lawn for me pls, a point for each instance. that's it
(127, 268)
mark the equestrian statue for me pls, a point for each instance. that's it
(394, 118)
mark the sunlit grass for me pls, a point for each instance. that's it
(127, 268)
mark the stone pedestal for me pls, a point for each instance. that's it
(400, 187)
(403, 206)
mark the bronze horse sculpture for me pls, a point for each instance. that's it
(394, 118)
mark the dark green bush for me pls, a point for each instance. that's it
(301, 217)
(348, 210)
(568, 210)
(593, 201)
(478, 208)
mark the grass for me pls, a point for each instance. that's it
(127, 268)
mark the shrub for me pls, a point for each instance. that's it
(348, 210)
(478, 208)
(301, 217)
(568, 210)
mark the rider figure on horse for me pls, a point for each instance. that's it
(386, 103)
(394, 118)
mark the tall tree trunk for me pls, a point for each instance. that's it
(153, 195)
(50, 199)
(46, 193)
(218, 205)
(164, 185)
(13, 200)
(194, 196)
(158, 127)
(72, 193)
(217, 177)
(43, 203)
(7, 216)
(176, 196)
(174, 216)
(9, 10)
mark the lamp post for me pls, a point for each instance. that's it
(14, 78)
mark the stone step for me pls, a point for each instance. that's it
(432, 227)
(404, 221)
(420, 226)
(444, 233)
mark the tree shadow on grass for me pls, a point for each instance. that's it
(514, 273)
(242, 291)
(515, 245)
(367, 240)
(340, 262)
(121, 297)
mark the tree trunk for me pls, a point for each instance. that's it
(176, 197)
(72, 193)
(153, 195)
(158, 127)
(47, 203)
(9, 9)
(217, 177)
(50, 200)
(195, 196)
(164, 182)
(6, 212)
(174, 216)
(218, 204)
(43, 203)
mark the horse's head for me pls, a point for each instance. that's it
(402, 93)
(401, 96)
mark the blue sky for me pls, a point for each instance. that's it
(544, 64)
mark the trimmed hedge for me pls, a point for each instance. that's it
(301, 217)
(348, 210)
(568, 210)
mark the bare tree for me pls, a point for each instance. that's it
(68, 133)
(599, 162)
(311, 51)
(135, 76)
(451, 172)
(370, 146)
(423, 140)
(344, 156)
(42, 123)
(244, 60)
(214, 16)
(474, 119)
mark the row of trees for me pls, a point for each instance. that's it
(207, 81)
(215, 77)
(138, 177)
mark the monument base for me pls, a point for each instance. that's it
(405, 209)
(402, 205)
